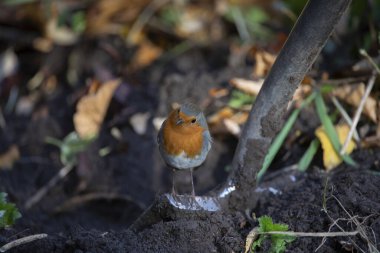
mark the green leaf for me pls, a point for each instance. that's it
(308, 156)
(170, 15)
(278, 242)
(280, 138)
(71, 146)
(330, 129)
(327, 88)
(78, 22)
(8, 212)
(239, 98)
(267, 225)
(255, 15)
(258, 243)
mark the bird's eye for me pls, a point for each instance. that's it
(193, 121)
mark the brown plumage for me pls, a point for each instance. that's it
(186, 137)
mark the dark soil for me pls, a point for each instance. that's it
(117, 188)
(298, 204)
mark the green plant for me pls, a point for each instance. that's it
(327, 122)
(280, 138)
(278, 241)
(239, 99)
(69, 147)
(308, 156)
(8, 211)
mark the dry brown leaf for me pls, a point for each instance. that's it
(301, 92)
(352, 94)
(330, 158)
(232, 127)
(250, 87)
(146, 54)
(61, 35)
(113, 16)
(91, 110)
(371, 142)
(8, 158)
(240, 117)
(199, 24)
(263, 62)
(227, 121)
(218, 92)
(224, 113)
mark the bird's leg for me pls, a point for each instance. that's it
(173, 188)
(192, 183)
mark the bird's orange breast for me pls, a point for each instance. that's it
(177, 140)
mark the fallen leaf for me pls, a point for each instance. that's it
(61, 35)
(371, 142)
(227, 121)
(232, 127)
(218, 92)
(146, 54)
(263, 62)
(352, 94)
(302, 92)
(106, 16)
(250, 87)
(330, 158)
(92, 108)
(224, 113)
(9, 157)
(198, 24)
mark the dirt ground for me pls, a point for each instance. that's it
(124, 183)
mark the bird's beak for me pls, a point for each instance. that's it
(179, 122)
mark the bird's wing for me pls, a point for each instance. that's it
(207, 139)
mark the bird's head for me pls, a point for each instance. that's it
(188, 119)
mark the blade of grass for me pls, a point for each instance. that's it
(280, 138)
(308, 156)
(330, 129)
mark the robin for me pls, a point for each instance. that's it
(184, 140)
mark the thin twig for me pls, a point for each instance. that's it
(345, 116)
(23, 240)
(358, 112)
(240, 24)
(45, 189)
(370, 60)
(144, 17)
(311, 234)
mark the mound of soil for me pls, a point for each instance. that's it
(291, 197)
